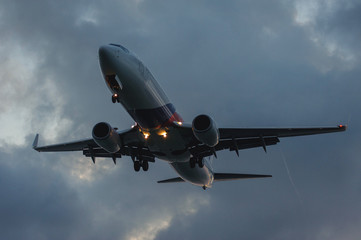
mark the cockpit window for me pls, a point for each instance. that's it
(120, 46)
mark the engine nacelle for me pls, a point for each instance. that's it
(205, 130)
(106, 137)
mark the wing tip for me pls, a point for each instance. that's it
(342, 127)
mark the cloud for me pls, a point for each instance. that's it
(331, 26)
(24, 91)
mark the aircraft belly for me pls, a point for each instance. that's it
(171, 148)
(197, 176)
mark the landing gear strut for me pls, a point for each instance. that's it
(200, 163)
(192, 162)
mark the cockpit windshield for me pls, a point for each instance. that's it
(120, 46)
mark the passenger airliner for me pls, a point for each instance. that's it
(160, 133)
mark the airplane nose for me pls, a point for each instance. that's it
(106, 59)
(104, 53)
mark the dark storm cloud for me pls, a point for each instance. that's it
(245, 63)
(36, 203)
(343, 25)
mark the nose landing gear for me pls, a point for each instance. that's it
(115, 98)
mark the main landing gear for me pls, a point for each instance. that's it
(115, 98)
(141, 164)
(199, 161)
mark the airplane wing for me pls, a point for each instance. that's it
(133, 146)
(236, 139)
(277, 132)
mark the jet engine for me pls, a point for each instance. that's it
(106, 137)
(205, 130)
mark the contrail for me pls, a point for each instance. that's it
(290, 177)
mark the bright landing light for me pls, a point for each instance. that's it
(163, 133)
(146, 135)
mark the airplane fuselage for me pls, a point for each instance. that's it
(132, 85)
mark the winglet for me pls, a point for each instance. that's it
(35, 143)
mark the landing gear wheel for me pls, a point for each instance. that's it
(200, 163)
(192, 162)
(145, 166)
(136, 166)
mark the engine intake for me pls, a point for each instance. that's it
(106, 137)
(205, 130)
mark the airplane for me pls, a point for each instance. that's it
(159, 131)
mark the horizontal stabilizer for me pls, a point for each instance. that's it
(171, 180)
(221, 177)
(236, 176)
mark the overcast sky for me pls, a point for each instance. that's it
(246, 63)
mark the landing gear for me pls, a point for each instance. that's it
(141, 164)
(115, 98)
(145, 166)
(136, 166)
(193, 161)
(200, 163)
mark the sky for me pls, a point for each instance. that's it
(280, 63)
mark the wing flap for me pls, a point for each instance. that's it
(233, 145)
(141, 153)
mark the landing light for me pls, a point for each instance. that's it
(146, 135)
(162, 133)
